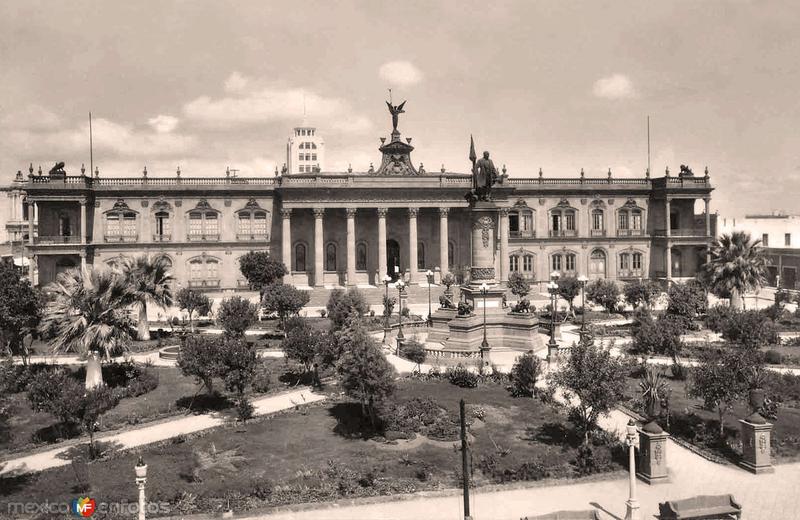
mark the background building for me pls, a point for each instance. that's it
(305, 151)
(780, 236)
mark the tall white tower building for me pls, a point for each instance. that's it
(305, 151)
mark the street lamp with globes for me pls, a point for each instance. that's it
(429, 274)
(386, 281)
(632, 505)
(582, 280)
(400, 286)
(552, 288)
(484, 343)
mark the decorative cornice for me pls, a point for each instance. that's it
(319, 212)
(251, 204)
(120, 204)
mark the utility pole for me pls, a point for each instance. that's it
(464, 460)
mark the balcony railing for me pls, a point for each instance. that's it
(681, 232)
(250, 236)
(630, 232)
(121, 238)
(563, 233)
(522, 233)
(162, 238)
(630, 273)
(597, 232)
(58, 239)
(202, 238)
(201, 284)
(242, 284)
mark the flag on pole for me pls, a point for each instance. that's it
(472, 156)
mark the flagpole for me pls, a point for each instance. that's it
(91, 152)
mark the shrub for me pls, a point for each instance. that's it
(605, 293)
(518, 285)
(414, 351)
(236, 315)
(679, 372)
(145, 382)
(344, 304)
(661, 336)
(718, 316)
(57, 393)
(751, 329)
(461, 376)
(773, 357)
(193, 301)
(301, 342)
(569, 288)
(284, 300)
(405, 312)
(237, 365)
(244, 409)
(687, 300)
(589, 461)
(199, 358)
(261, 270)
(641, 292)
(262, 380)
(524, 374)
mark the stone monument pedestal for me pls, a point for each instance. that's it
(439, 331)
(652, 454)
(756, 456)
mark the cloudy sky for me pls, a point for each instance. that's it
(557, 85)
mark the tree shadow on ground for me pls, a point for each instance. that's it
(554, 434)
(15, 481)
(80, 452)
(214, 402)
(56, 432)
(350, 422)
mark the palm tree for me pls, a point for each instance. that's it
(737, 265)
(149, 279)
(88, 313)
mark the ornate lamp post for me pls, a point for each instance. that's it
(632, 511)
(484, 343)
(552, 288)
(400, 286)
(429, 274)
(141, 480)
(582, 280)
(386, 280)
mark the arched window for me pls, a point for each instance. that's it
(630, 220)
(203, 222)
(451, 254)
(330, 257)
(598, 222)
(361, 257)
(251, 225)
(300, 257)
(204, 272)
(420, 256)
(121, 226)
(556, 263)
(562, 220)
(521, 223)
(631, 264)
(162, 227)
(597, 264)
(564, 263)
(513, 263)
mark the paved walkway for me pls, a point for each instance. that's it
(156, 432)
(139, 357)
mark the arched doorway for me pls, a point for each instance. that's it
(597, 264)
(392, 258)
(677, 263)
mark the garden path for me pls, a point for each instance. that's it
(156, 432)
(139, 357)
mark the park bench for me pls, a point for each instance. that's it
(705, 507)
(589, 514)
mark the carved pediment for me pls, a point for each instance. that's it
(563, 203)
(630, 203)
(120, 204)
(161, 205)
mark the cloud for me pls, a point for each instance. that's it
(616, 86)
(400, 73)
(253, 104)
(163, 124)
(31, 117)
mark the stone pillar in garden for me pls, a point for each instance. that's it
(756, 433)
(652, 454)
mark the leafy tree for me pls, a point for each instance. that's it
(193, 302)
(605, 293)
(344, 304)
(150, 281)
(238, 366)
(593, 383)
(686, 301)
(94, 403)
(236, 315)
(518, 285)
(200, 358)
(20, 310)
(261, 270)
(738, 265)
(301, 343)
(717, 381)
(641, 292)
(524, 374)
(750, 329)
(284, 300)
(569, 288)
(365, 373)
(88, 314)
(414, 351)
(659, 336)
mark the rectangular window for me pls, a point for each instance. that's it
(556, 221)
(527, 263)
(243, 224)
(513, 262)
(597, 220)
(212, 270)
(622, 220)
(624, 261)
(570, 221)
(212, 225)
(527, 222)
(570, 262)
(513, 222)
(300, 156)
(556, 262)
(313, 157)
(112, 224)
(129, 224)
(636, 217)
(260, 224)
(787, 239)
(637, 261)
(765, 240)
(195, 223)
(196, 270)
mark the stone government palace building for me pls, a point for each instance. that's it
(352, 228)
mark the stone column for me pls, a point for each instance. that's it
(668, 222)
(31, 220)
(286, 238)
(83, 260)
(382, 260)
(412, 244)
(444, 240)
(668, 252)
(482, 269)
(503, 230)
(83, 227)
(319, 248)
(708, 217)
(755, 433)
(652, 454)
(351, 246)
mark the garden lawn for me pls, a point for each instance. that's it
(320, 453)
(691, 422)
